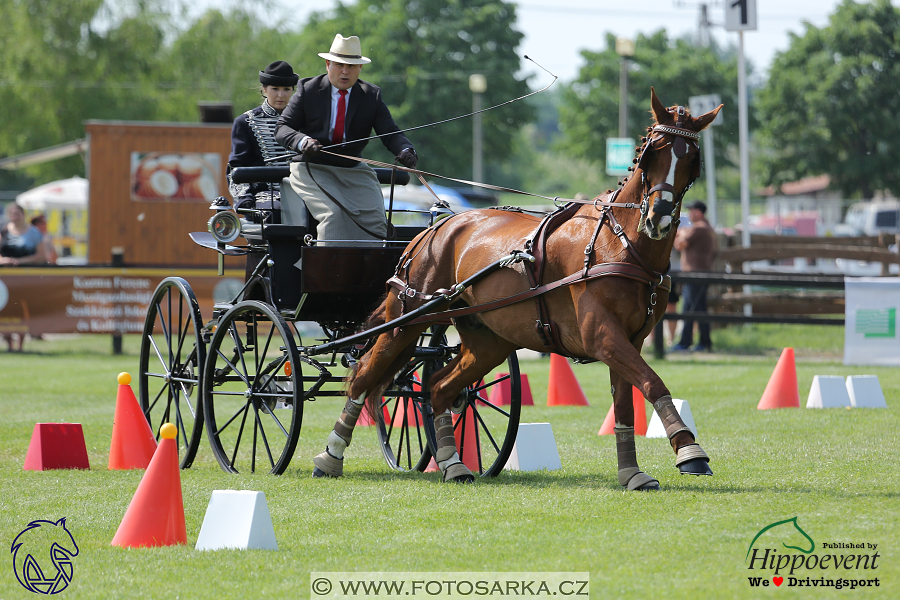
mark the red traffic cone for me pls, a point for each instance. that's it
(56, 446)
(640, 416)
(469, 453)
(155, 516)
(133, 443)
(782, 390)
(563, 389)
(501, 393)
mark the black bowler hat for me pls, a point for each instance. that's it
(699, 205)
(279, 73)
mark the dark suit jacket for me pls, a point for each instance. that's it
(309, 113)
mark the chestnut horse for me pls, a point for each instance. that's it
(601, 318)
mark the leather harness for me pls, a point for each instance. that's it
(536, 246)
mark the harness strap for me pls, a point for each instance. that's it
(617, 269)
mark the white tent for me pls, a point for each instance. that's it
(66, 194)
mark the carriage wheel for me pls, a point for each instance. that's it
(172, 354)
(406, 432)
(252, 390)
(484, 425)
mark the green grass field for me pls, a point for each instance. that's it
(835, 470)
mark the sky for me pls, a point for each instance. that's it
(556, 30)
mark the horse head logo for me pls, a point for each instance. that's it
(42, 556)
(786, 531)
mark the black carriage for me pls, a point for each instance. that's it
(246, 374)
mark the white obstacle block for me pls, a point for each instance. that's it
(828, 391)
(656, 429)
(237, 519)
(865, 392)
(535, 449)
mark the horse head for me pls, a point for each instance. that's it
(669, 162)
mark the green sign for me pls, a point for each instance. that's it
(875, 323)
(619, 155)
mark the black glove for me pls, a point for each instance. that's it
(310, 147)
(408, 158)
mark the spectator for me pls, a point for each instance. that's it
(20, 242)
(40, 222)
(253, 134)
(338, 108)
(697, 245)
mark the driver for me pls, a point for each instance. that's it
(330, 109)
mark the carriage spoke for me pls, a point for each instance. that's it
(171, 338)
(493, 406)
(161, 359)
(237, 443)
(277, 421)
(155, 400)
(485, 428)
(251, 347)
(233, 368)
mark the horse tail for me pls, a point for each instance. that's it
(380, 381)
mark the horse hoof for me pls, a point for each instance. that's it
(463, 479)
(652, 486)
(698, 466)
(317, 473)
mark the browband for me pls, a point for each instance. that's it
(677, 131)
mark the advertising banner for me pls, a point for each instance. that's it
(870, 330)
(174, 176)
(97, 300)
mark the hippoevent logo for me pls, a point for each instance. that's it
(782, 553)
(42, 556)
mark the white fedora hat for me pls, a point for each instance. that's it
(345, 50)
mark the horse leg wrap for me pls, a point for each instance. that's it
(670, 418)
(331, 462)
(630, 475)
(447, 457)
(347, 421)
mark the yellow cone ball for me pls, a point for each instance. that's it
(168, 431)
(124, 378)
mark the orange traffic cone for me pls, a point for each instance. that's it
(133, 443)
(501, 393)
(640, 411)
(563, 389)
(470, 452)
(640, 416)
(609, 423)
(155, 516)
(782, 390)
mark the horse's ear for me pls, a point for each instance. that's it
(657, 107)
(703, 121)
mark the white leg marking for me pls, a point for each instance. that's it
(336, 445)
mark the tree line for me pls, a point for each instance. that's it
(829, 104)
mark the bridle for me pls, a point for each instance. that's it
(680, 142)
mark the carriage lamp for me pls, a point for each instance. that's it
(224, 226)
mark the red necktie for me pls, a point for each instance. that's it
(338, 136)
